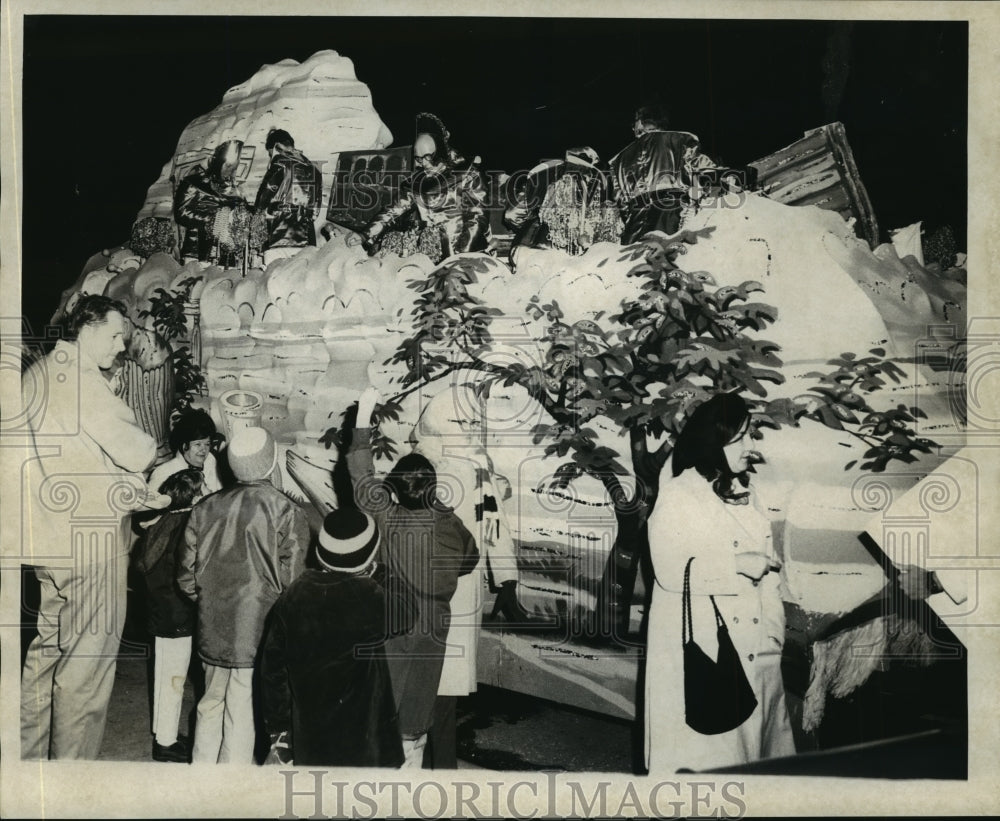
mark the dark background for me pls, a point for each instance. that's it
(106, 99)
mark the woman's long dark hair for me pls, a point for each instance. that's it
(713, 425)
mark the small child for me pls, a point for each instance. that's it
(327, 696)
(425, 548)
(243, 547)
(170, 614)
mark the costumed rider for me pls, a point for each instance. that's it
(219, 225)
(441, 208)
(652, 177)
(565, 205)
(290, 195)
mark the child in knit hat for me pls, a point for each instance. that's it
(243, 547)
(325, 683)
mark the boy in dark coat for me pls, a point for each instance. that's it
(171, 615)
(325, 683)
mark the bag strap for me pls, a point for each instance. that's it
(719, 621)
(687, 630)
(687, 634)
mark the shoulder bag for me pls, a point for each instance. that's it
(717, 695)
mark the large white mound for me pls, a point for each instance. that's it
(320, 102)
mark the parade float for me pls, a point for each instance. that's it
(557, 383)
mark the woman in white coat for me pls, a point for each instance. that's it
(708, 510)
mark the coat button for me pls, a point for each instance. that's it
(750, 657)
(756, 620)
(736, 619)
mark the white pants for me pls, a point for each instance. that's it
(224, 732)
(69, 671)
(171, 658)
(413, 751)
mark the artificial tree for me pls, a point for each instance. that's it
(643, 369)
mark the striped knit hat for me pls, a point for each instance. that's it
(347, 541)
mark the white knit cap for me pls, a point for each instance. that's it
(252, 454)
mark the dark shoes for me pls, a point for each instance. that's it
(177, 752)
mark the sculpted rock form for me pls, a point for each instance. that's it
(320, 102)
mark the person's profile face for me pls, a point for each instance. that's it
(736, 455)
(104, 341)
(737, 448)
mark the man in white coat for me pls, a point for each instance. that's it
(86, 454)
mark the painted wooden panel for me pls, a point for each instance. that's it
(820, 170)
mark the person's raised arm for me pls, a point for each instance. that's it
(360, 462)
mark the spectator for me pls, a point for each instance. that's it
(326, 690)
(651, 176)
(86, 448)
(243, 547)
(425, 548)
(192, 440)
(734, 576)
(170, 614)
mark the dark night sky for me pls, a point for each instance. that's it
(106, 98)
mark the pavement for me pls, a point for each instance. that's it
(497, 729)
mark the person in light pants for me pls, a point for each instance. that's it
(171, 615)
(83, 460)
(242, 547)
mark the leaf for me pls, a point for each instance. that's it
(850, 464)
(893, 371)
(829, 418)
(703, 358)
(331, 437)
(843, 413)
(565, 474)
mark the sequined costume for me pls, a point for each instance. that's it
(204, 203)
(566, 206)
(441, 208)
(291, 193)
(450, 210)
(650, 178)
